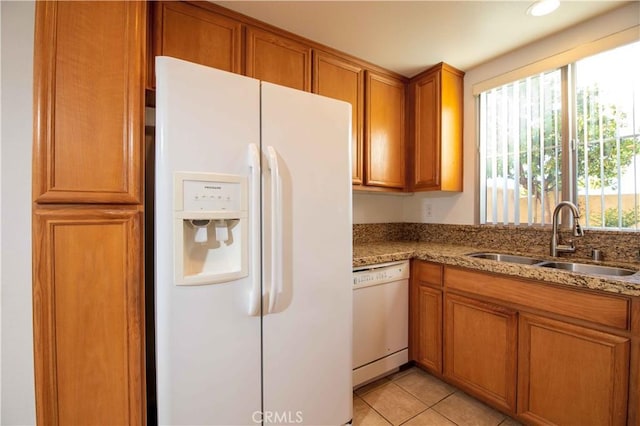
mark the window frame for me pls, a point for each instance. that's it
(568, 144)
(568, 161)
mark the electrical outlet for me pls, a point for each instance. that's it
(427, 210)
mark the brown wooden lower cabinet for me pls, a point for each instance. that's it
(88, 316)
(480, 349)
(543, 353)
(569, 374)
(426, 315)
(428, 348)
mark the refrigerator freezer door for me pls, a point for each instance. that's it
(208, 346)
(307, 335)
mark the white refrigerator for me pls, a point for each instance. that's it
(253, 240)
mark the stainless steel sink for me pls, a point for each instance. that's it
(508, 258)
(586, 268)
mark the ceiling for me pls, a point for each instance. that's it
(410, 36)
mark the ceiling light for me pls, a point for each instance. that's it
(543, 7)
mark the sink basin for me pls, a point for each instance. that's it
(587, 268)
(509, 258)
(584, 268)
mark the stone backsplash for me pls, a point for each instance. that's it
(616, 246)
(379, 232)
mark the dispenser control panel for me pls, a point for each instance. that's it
(210, 228)
(211, 196)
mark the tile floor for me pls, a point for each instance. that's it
(414, 398)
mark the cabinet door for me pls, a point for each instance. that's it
(88, 316)
(425, 345)
(385, 135)
(426, 123)
(278, 59)
(89, 101)
(480, 349)
(188, 32)
(339, 79)
(437, 129)
(571, 375)
(428, 338)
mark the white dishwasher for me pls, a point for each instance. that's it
(380, 319)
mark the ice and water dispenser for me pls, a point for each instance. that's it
(210, 228)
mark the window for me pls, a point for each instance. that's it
(567, 134)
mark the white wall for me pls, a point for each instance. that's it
(16, 50)
(377, 208)
(462, 208)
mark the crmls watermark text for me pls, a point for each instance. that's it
(280, 417)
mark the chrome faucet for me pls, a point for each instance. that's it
(556, 246)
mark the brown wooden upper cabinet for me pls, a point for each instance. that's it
(393, 150)
(341, 79)
(189, 32)
(278, 59)
(384, 146)
(89, 102)
(436, 132)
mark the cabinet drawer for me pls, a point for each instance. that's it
(597, 308)
(428, 273)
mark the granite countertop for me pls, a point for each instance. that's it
(451, 254)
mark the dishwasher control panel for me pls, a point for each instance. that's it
(381, 273)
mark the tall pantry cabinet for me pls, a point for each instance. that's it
(88, 294)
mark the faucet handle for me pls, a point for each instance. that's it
(569, 247)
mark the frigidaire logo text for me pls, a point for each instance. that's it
(279, 417)
(212, 187)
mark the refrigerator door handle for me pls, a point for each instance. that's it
(255, 296)
(276, 228)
